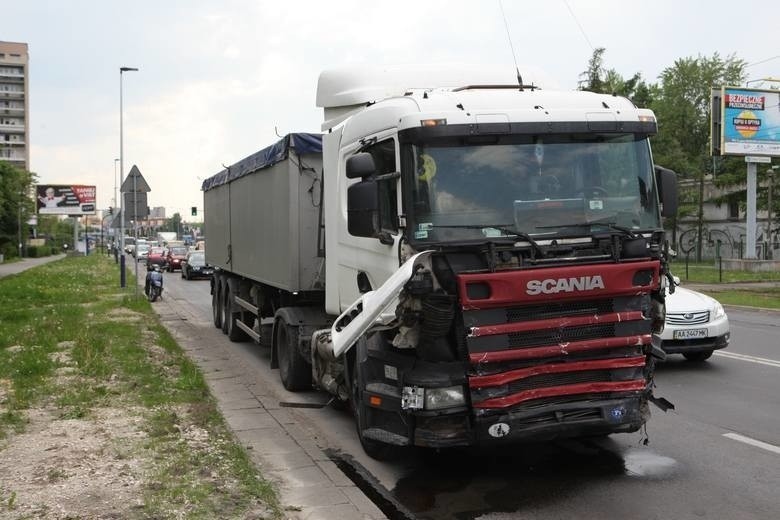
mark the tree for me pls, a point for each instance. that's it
(608, 81)
(16, 206)
(682, 106)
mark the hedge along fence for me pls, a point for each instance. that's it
(39, 251)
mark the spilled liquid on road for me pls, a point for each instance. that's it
(466, 484)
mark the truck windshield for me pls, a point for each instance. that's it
(528, 185)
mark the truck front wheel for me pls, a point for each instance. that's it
(294, 371)
(375, 449)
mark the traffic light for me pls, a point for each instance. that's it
(110, 210)
(194, 211)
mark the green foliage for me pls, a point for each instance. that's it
(608, 81)
(682, 106)
(39, 251)
(15, 204)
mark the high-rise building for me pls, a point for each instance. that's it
(14, 105)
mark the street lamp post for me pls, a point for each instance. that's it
(122, 282)
(115, 177)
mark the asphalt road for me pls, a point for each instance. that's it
(716, 456)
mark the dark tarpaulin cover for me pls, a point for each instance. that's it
(302, 144)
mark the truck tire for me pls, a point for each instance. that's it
(698, 357)
(294, 370)
(225, 305)
(216, 302)
(233, 332)
(375, 449)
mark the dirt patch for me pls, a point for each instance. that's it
(74, 468)
(122, 314)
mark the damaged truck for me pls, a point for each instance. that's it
(462, 261)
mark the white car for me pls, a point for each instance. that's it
(696, 325)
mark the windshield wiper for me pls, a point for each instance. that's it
(504, 228)
(612, 226)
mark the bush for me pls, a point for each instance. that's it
(55, 250)
(8, 248)
(38, 251)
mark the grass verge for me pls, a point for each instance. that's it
(75, 345)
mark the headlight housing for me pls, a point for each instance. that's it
(419, 398)
(447, 397)
(719, 311)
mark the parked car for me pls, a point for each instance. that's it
(194, 266)
(696, 324)
(156, 256)
(174, 257)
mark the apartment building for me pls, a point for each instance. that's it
(14, 104)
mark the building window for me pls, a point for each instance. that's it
(734, 209)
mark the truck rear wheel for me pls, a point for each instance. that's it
(294, 370)
(216, 302)
(233, 332)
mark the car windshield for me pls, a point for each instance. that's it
(181, 251)
(530, 185)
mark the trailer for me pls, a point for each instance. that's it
(465, 263)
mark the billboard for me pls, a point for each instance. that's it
(749, 122)
(64, 199)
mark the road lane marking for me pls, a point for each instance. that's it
(752, 359)
(753, 442)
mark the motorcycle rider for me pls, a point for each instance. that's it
(154, 274)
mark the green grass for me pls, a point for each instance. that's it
(708, 272)
(764, 298)
(71, 339)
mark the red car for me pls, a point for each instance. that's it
(174, 257)
(156, 256)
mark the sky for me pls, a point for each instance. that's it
(219, 80)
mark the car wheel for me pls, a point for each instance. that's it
(698, 357)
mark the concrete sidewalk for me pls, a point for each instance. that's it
(310, 485)
(9, 268)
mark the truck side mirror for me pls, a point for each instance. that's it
(363, 208)
(360, 166)
(666, 183)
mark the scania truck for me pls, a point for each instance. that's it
(464, 262)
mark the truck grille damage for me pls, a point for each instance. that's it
(526, 349)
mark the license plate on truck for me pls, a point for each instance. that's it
(690, 333)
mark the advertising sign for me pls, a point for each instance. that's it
(62, 199)
(751, 122)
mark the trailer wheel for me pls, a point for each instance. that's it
(225, 305)
(233, 332)
(294, 370)
(216, 302)
(375, 449)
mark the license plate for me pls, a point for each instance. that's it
(690, 333)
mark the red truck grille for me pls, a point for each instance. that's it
(525, 349)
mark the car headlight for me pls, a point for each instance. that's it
(719, 311)
(448, 397)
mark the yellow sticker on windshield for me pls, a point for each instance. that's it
(428, 168)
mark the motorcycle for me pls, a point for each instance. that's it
(155, 286)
